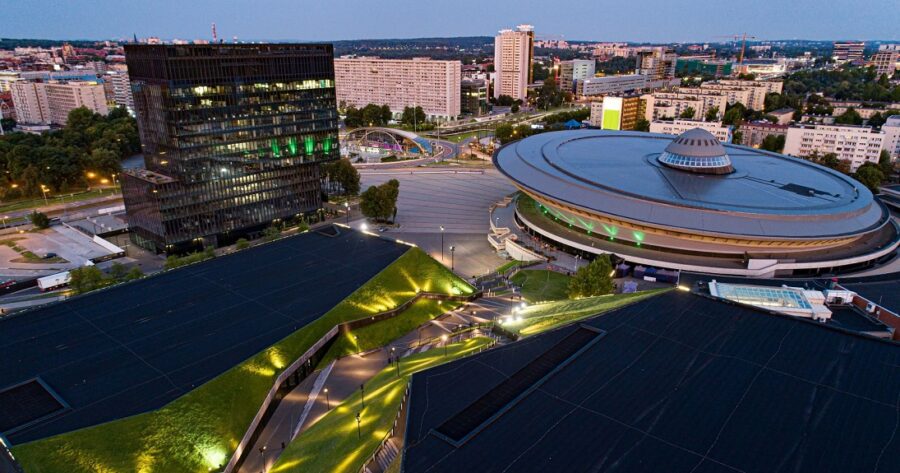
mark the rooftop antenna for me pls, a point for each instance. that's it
(215, 36)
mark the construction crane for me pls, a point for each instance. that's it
(743, 37)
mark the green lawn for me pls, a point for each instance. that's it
(381, 333)
(541, 285)
(200, 430)
(38, 202)
(333, 445)
(549, 315)
(510, 265)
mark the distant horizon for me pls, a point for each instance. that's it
(655, 21)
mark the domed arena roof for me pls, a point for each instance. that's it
(697, 150)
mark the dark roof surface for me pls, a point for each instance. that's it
(678, 383)
(138, 346)
(617, 173)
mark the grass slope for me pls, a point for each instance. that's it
(542, 317)
(333, 445)
(541, 285)
(200, 430)
(381, 333)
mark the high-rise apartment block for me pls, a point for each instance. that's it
(121, 90)
(233, 138)
(722, 133)
(891, 130)
(400, 83)
(669, 105)
(885, 60)
(617, 113)
(513, 56)
(856, 144)
(49, 102)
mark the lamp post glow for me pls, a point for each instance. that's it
(444, 341)
(442, 243)
(327, 400)
(347, 206)
(358, 428)
(452, 249)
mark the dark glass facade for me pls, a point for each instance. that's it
(232, 134)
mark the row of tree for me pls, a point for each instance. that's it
(370, 115)
(869, 174)
(89, 278)
(62, 159)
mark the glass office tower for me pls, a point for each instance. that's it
(232, 135)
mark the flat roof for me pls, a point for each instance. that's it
(136, 347)
(616, 173)
(677, 383)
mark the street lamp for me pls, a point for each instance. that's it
(396, 360)
(358, 428)
(364, 227)
(262, 453)
(442, 243)
(452, 249)
(327, 399)
(347, 206)
(44, 191)
(444, 341)
(362, 390)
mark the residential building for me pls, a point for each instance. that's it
(7, 78)
(783, 115)
(233, 137)
(609, 50)
(885, 60)
(617, 113)
(49, 102)
(856, 144)
(121, 90)
(668, 105)
(400, 83)
(848, 51)
(474, 97)
(576, 69)
(757, 90)
(732, 94)
(722, 133)
(656, 62)
(891, 130)
(513, 57)
(755, 132)
(611, 85)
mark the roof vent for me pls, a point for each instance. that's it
(697, 150)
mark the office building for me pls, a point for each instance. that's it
(617, 113)
(400, 83)
(722, 133)
(233, 136)
(513, 56)
(657, 62)
(753, 133)
(856, 144)
(49, 102)
(576, 69)
(708, 67)
(885, 60)
(848, 51)
(474, 97)
(891, 130)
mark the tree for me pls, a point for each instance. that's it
(549, 95)
(885, 164)
(380, 202)
(134, 273)
(774, 143)
(687, 113)
(514, 108)
(413, 116)
(734, 114)
(642, 125)
(342, 174)
(39, 220)
(242, 244)
(271, 232)
(592, 280)
(711, 114)
(85, 279)
(849, 117)
(870, 175)
(353, 117)
(505, 100)
(737, 137)
(118, 271)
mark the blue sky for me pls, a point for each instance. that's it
(649, 20)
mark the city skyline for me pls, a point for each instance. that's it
(396, 19)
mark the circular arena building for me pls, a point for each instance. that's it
(692, 203)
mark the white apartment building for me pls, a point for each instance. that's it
(672, 104)
(121, 90)
(732, 94)
(658, 62)
(50, 102)
(513, 55)
(399, 83)
(7, 78)
(610, 85)
(722, 133)
(891, 130)
(857, 144)
(576, 69)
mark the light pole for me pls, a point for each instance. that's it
(327, 399)
(347, 206)
(396, 360)
(262, 453)
(44, 190)
(358, 428)
(452, 249)
(444, 341)
(362, 391)
(442, 243)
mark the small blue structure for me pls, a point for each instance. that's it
(572, 124)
